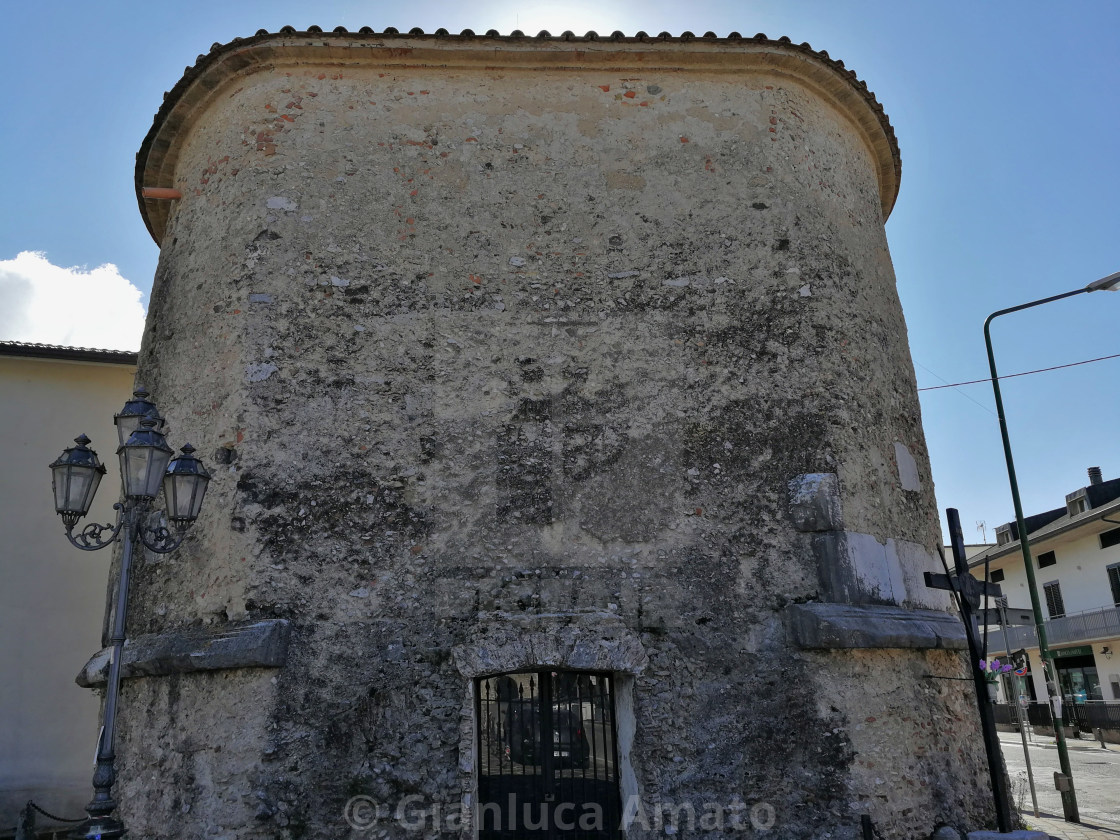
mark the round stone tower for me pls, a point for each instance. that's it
(566, 447)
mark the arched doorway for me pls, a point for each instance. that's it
(547, 755)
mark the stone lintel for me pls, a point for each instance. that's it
(843, 626)
(586, 642)
(258, 644)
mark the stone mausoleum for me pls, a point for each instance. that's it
(569, 473)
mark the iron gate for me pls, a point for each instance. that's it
(548, 756)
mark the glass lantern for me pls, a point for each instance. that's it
(75, 475)
(184, 485)
(128, 419)
(144, 458)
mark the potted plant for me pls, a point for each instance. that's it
(992, 670)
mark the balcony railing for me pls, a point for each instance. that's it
(1087, 626)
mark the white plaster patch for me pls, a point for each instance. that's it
(279, 202)
(907, 468)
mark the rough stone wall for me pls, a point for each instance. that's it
(485, 353)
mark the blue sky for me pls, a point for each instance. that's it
(1007, 115)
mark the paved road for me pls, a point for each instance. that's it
(1096, 776)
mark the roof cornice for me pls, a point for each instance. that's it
(29, 350)
(1059, 528)
(158, 155)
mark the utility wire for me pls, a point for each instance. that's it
(962, 393)
(1024, 373)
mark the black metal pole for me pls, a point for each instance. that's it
(996, 771)
(1069, 794)
(100, 823)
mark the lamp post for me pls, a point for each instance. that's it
(1109, 283)
(146, 464)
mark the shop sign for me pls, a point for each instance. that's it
(1062, 653)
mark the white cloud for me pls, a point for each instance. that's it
(49, 304)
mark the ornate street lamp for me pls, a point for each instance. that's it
(1110, 283)
(146, 464)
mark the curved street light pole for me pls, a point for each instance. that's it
(1109, 283)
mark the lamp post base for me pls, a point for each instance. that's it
(99, 828)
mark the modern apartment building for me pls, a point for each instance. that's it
(1076, 552)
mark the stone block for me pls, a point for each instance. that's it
(908, 476)
(832, 626)
(259, 644)
(814, 502)
(858, 569)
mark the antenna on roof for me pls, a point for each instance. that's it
(982, 527)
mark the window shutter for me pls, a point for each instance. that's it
(1114, 582)
(1054, 604)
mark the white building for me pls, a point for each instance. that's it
(1076, 552)
(52, 601)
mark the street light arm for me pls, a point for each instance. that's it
(160, 539)
(1110, 282)
(90, 537)
(1092, 287)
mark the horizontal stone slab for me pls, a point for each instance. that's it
(258, 644)
(839, 626)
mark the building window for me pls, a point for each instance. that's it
(1003, 535)
(996, 576)
(1110, 538)
(1047, 558)
(1054, 604)
(1114, 582)
(1076, 506)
